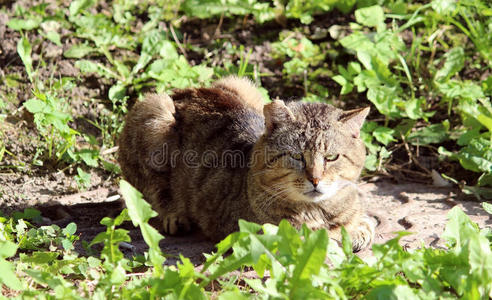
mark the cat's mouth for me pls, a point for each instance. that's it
(314, 193)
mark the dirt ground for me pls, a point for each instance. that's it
(417, 208)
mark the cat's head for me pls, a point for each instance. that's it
(310, 150)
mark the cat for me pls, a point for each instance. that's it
(208, 157)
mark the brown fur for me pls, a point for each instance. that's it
(212, 156)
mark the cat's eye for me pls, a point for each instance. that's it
(332, 157)
(297, 156)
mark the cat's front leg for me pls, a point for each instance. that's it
(175, 224)
(362, 232)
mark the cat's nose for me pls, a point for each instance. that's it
(314, 181)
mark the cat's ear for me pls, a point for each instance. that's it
(353, 120)
(275, 114)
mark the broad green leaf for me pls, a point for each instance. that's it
(21, 24)
(35, 106)
(249, 227)
(415, 109)
(384, 135)
(54, 37)
(93, 262)
(487, 207)
(455, 61)
(459, 227)
(8, 277)
(290, 240)
(233, 295)
(138, 209)
(39, 257)
(24, 51)
(78, 51)
(383, 97)
(140, 212)
(347, 87)
(400, 292)
(476, 156)
(432, 134)
(311, 256)
(87, 66)
(444, 7)
(455, 89)
(77, 6)
(88, 156)
(371, 16)
(118, 275)
(468, 135)
(208, 8)
(7, 249)
(117, 92)
(346, 243)
(168, 51)
(70, 229)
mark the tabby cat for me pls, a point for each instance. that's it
(211, 156)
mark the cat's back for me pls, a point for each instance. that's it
(226, 116)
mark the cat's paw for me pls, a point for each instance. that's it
(175, 224)
(363, 235)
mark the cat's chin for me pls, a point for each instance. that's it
(324, 191)
(315, 196)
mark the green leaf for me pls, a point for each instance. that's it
(70, 229)
(7, 249)
(89, 157)
(459, 227)
(138, 209)
(118, 275)
(371, 16)
(78, 51)
(444, 7)
(117, 92)
(77, 6)
(93, 262)
(24, 50)
(21, 24)
(487, 207)
(347, 86)
(87, 66)
(476, 156)
(384, 135)
(39, 257)
(168, 51)
(311, 256)
(346, 243)
(8, 277)
(485, 179)
(140, 212)
(432, 134)
(455, 61)
(400, 292)
(54, 37)
(83, 178)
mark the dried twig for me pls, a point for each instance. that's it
(177, 41)
(412, 157)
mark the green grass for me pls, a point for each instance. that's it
(425, 70)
